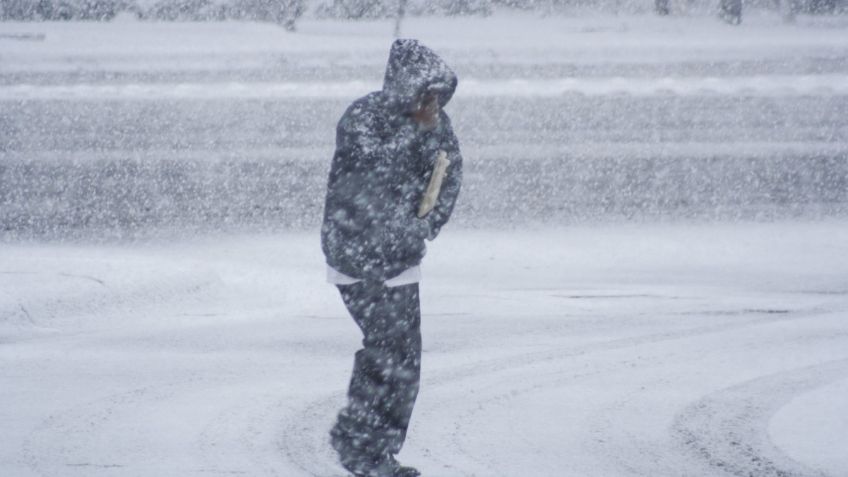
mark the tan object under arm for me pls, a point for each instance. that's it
(431, 195)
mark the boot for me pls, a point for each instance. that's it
(387, 467)
(400, 470)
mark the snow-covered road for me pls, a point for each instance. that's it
(127, 127)
(698, 350)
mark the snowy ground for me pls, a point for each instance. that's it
(693, 350)
(585, 314)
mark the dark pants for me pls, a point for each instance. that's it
(386, 372)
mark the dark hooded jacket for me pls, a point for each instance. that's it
(381, 168)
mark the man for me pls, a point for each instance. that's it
(387, 144)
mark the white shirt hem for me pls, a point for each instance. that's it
(407, 277)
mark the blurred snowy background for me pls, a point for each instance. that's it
(646, 275)
(126, 127)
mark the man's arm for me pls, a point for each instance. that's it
(352, 206)
(361, 231)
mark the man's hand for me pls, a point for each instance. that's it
(420, 228)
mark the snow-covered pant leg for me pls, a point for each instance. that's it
(386, 373)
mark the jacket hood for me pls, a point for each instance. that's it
(412, 70)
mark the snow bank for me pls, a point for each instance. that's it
(503, 38)
(781, 86)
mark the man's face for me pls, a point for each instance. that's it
(427, 114)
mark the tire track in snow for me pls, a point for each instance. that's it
(729, 429)
(657, 443)
(57, 446)
(654, 463)
(306, 444)
(303, 441)
(242, 439)
(269, 436)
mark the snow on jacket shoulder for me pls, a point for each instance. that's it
(381, 167)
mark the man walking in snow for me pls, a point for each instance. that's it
(388, 144)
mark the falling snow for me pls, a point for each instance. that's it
(644, 273)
